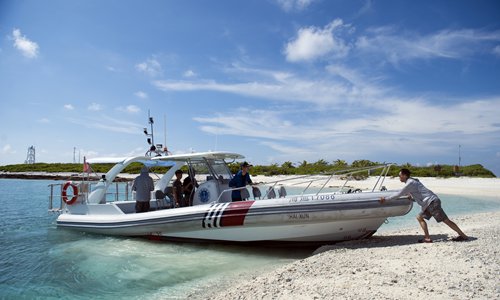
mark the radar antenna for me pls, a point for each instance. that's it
(154, 149)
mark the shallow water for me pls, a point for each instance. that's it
(453, 205)
(39, 261)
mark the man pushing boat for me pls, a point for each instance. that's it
(430, 203)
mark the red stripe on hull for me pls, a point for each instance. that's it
(235, 213)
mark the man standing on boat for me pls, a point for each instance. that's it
(143, 185)
(240, 180)
(430, 203)
(178, 190)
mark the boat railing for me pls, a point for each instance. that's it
(117, 191)
(325, 178)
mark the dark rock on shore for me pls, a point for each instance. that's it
(54, 176)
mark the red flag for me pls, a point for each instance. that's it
(86, 167)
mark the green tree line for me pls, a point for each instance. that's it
(286, 168)
(322, 166)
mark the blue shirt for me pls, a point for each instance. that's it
(239, 181)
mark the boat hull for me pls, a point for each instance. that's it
(315, 218)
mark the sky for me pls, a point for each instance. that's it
(276, 80)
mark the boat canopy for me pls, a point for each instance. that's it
(199, 155)
(166, 161)
(145, 160)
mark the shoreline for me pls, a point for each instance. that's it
(489, 187)
(55, 176)
(391, 265)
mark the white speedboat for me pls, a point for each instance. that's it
(270, 213)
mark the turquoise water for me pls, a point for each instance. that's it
(38, 261)
(453, 205)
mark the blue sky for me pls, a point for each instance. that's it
(275, 80)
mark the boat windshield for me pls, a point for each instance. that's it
(209, 169)
(220, 169)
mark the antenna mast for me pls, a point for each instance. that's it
(459, 155)
(165, 131)
(155, 149)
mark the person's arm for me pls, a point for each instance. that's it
(151, 184)
(176, 194)
(232, 182)
(403, 191)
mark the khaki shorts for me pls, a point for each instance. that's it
(434, 210)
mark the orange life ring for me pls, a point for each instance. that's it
(64, 194)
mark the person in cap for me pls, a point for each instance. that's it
(143, 185)
(240, 180)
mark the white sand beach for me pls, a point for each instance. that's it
(388, 266)
(489, 187)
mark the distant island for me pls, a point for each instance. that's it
(37, 170)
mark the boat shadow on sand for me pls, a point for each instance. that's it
(393, 240)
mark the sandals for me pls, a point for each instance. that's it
(425, 241)
(459, 239)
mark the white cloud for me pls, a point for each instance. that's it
(141, 94)
(189, 74)
(312, 43)
(69, 107)
(27, 47)
(94, 107)
(150, 67)
(256, 123)
(294, 5)
(7, 149)
(108, 124)
(365, 9)
(496, 50)
(44, 120)
(398, 47)
(130, 109)
(286, 86)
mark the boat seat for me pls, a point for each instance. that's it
(169, 195)
(271, 194)
(160, 200)
(282, 192)
(256, 192)
(245, 194)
